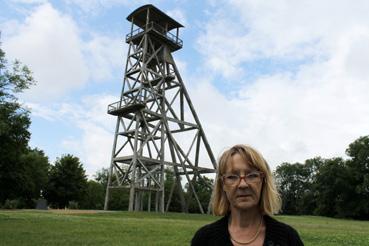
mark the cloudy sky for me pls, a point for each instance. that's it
(290, 78)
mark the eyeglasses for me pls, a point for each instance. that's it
(235, 179)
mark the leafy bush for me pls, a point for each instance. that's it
(12, 204)
(73, 205)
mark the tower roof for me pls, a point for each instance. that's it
(139, 17)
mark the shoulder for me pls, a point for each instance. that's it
(280, 232)
(277, 225)
(211, 232)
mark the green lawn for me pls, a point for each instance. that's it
(30, 227)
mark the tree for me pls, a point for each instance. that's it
(35, 167)
(331, 188)
(358, 168)
(319, 187)
(175, 202)
(309, 198)
(297, 185)
(94, 197)
(14, 124)
(67, 182)
(119, 198)
(102, 175)
(291, 180)
(203, 187)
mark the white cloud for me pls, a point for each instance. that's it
(90, 118)
(10, 27)
(29, 1)
(104, 55)
(50, 43)
(289, 115)
(284, 30)
(178, 15)
(94, 148)
(94, 6)
(285, 120)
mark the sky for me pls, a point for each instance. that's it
(289, 78)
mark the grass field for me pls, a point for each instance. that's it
(74, 227)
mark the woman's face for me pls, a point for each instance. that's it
(242, 195)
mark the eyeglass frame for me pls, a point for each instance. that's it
(244, 177)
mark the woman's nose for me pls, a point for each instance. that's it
(243, 182)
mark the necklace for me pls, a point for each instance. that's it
(253, 238)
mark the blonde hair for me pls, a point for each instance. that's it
(270, 201)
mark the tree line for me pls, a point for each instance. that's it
(334, 187)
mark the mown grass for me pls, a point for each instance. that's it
(30, 227)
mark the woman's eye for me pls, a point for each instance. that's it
(232, 177)
(253, 175)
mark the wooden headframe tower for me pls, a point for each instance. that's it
(157, 126)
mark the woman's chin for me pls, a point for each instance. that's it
(244, 204)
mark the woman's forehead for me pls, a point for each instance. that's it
(239, 163)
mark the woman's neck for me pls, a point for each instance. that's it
(244, 218)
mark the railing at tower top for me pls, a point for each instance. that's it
(158, 29)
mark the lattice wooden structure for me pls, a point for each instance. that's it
(157, 126)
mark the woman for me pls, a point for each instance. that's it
(246, 196)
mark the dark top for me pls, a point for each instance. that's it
(276, 234)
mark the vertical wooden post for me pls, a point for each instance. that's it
(134, 165)
(177, 35)
(147, 18)
(162, 140)
(107, 193)
(132, 27)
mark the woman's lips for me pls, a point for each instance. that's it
(246, 195)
